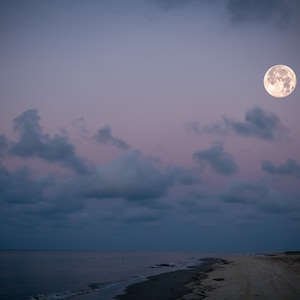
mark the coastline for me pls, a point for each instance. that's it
(257, 276)
(264, 276)
(169, 285)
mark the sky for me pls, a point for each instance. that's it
(144, 125)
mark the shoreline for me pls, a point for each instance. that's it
(258, 276)
(170, 285)
(249, 276)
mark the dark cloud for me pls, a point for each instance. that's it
(199, 203)
(104, 136)
(137, 182)
(279, 203)
(221, 161)
(245, 192)
(184, 176)
(18, 187)
(43, 195)
(258, 123)
(261, 198)
(27, 201)
(239, 12)
(248, 221)
(34, 143)
(142, 215)
(290, 167)
(134, 177)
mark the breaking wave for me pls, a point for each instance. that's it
(92, 288)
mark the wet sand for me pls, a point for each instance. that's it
(168, 285)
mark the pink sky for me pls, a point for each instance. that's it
(159, 76)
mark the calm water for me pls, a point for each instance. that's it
(81, 275)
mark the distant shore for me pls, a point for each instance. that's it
(264, 276)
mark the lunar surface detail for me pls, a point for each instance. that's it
(280, 81)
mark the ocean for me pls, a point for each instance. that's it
(78, 275)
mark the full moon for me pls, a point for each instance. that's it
(280, 81)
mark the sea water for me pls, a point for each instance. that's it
(53, 275)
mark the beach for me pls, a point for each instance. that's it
(272, 276)
(169, 285)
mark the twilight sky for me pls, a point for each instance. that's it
(144, 125)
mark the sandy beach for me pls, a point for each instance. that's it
(244, 277)
(275, 277)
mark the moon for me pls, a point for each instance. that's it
(280, 81)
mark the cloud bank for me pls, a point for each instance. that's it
(131, 191)
(258, 196)
(132, 177)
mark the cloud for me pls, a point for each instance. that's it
(41, 194)
(258, 123)
(199, 203)
(221, 161)
(139, 182)
(258, 10)
(104, 136)
(290, 167)
(261, 198)
(34, 143)
(29, 202)
(142, 215)
(3, 143)
(17, 186)
(185, 176)
(135, 183)
(279, 203)
(245, 192)
(134, 177)
(239, 12)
